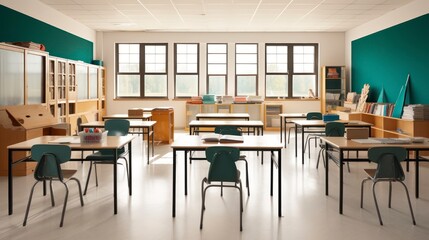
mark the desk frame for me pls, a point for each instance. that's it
(303, 124)
(229, 116)
(251, 143)
(283, 122)
(343, 145)
(111, 143)
(256, 126)
(146, 126)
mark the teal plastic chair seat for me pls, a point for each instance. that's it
(49, 158)
(389, 169)
(222, 170)
(115, 127)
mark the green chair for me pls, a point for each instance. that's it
(49, 158)
(222, 170)
(231, 130)
(315, 133)
(114, 127)
(389, 169)
(332, 129)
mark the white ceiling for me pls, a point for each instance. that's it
(224, 15)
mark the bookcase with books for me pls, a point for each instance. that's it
(333, 88)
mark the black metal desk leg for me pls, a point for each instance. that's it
(115, 183)
(9, 182)
(280, 180)
(281, 129)
(326, 170)
(417, 173)
(271, 172)
(341, 182)
(186, 172)
(174, 184)
(302, 144)
(296, 140)
(130, 172)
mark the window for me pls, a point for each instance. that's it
(291, 70)
(246, 69)
(304, 70)
(276, 67)
(217, 60)
(141, 70)
(186, 69)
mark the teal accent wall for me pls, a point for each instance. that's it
(385, 58)
(18, 27)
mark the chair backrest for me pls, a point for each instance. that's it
(49, 157)
(314, 116)
(228, 130)
(117, 127)
(222, 163)
(334, 129)
(388, 162)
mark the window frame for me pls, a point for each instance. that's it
(257, 68)
(290, 68)
(142, 71)
(207, 68)
(190, 74)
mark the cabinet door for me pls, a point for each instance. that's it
(36, 77)
(11, 77)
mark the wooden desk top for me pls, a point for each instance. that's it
(111, 142)
(222, 115)
(293, 115)
(343, 143)
(250, 142)
(321, 123)
(236, 123)
(133, 124)
(126, 116)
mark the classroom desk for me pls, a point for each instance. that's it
(308, 124)
(251, 143)
(111, 143)
(144, 117)
(229, 116)
(284, 120)
(342, 145)
(145, 126)
(256, 126)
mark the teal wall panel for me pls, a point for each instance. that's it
(385, 58)
(17, 27)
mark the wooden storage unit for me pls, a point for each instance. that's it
(333, 88)
(388, 127)
(272, 117)
(164, 127)
(20, 123)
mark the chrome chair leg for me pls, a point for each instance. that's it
(29, 204)
(376, 203)
(409, 203)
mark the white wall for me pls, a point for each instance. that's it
(331, 52)
(412, 10)
(45, 13)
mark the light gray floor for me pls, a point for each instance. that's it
(307, 212)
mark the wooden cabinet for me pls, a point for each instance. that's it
(333, 88)
(272, 117)
(164, 127)
(23, 76)
(388, 127)
(79, 89)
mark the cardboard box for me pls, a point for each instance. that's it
(135, 112)
(356, 133)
